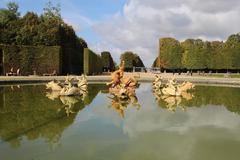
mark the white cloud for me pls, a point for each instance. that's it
(73, 16)
(143, 22)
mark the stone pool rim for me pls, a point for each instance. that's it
(9, 80)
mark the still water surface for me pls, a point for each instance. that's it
(204, 125)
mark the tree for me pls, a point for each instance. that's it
(196, 53)
(232, 52)
(107, 60)
(13, 8)
(51, 11)
(217, 57)
(170, 53)
(131, 60)
(9, 14)
(27, 34)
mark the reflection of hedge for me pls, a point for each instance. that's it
(204, 95)
(43, 59)
(92, 62)
(22, 114)
(107, 60)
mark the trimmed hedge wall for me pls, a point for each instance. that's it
(72, 59)
(92, 62)
(107, 60)
(42, 59)
(196, 54)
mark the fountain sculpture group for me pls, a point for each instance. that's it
(68, 92)
(123, 90)
(172, 93)
(68, 87)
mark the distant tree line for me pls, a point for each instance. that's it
(196, 54)
(131, 60)
(47, 29)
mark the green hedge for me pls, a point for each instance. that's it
(107, 60)
(131, 60)
(92, 62)
(42, 59)
(198, 54)
(72, 59)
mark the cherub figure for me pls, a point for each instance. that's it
(117, 75)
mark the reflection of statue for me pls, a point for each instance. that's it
(157, 84)
(120, 104)
(120, 86)
(172, 102)
(67, 89)
(52, 95)
(68, 103)
(171, 88)
(172, 93)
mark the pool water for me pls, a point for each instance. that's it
(36, 125)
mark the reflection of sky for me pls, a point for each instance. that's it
(98, 132)
(151, 118)
(181, 122)
(208, 132)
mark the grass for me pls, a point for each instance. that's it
(222, 75)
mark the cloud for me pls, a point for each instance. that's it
(141, 23)
(73, 16)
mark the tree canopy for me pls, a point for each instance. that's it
(31, 29)
(199, 54)
(131, 60)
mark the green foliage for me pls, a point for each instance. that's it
(107, 61)
(198, 54)
(41, 59)
(170, 53)
(131, 60)
(232, 52)
(92, 62)
(48, 29)
(9, 14)
(51, 11)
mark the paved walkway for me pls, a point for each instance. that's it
(142, 77)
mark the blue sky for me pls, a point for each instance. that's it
(137, 25)
(87, 11)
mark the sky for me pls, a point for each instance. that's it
(137, 25)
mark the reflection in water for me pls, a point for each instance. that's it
(120, 105)
(52, 95)
(67, 101)
(172, 102)
(172, 92)
(204, 95)
(40, 129)
(25, 111)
